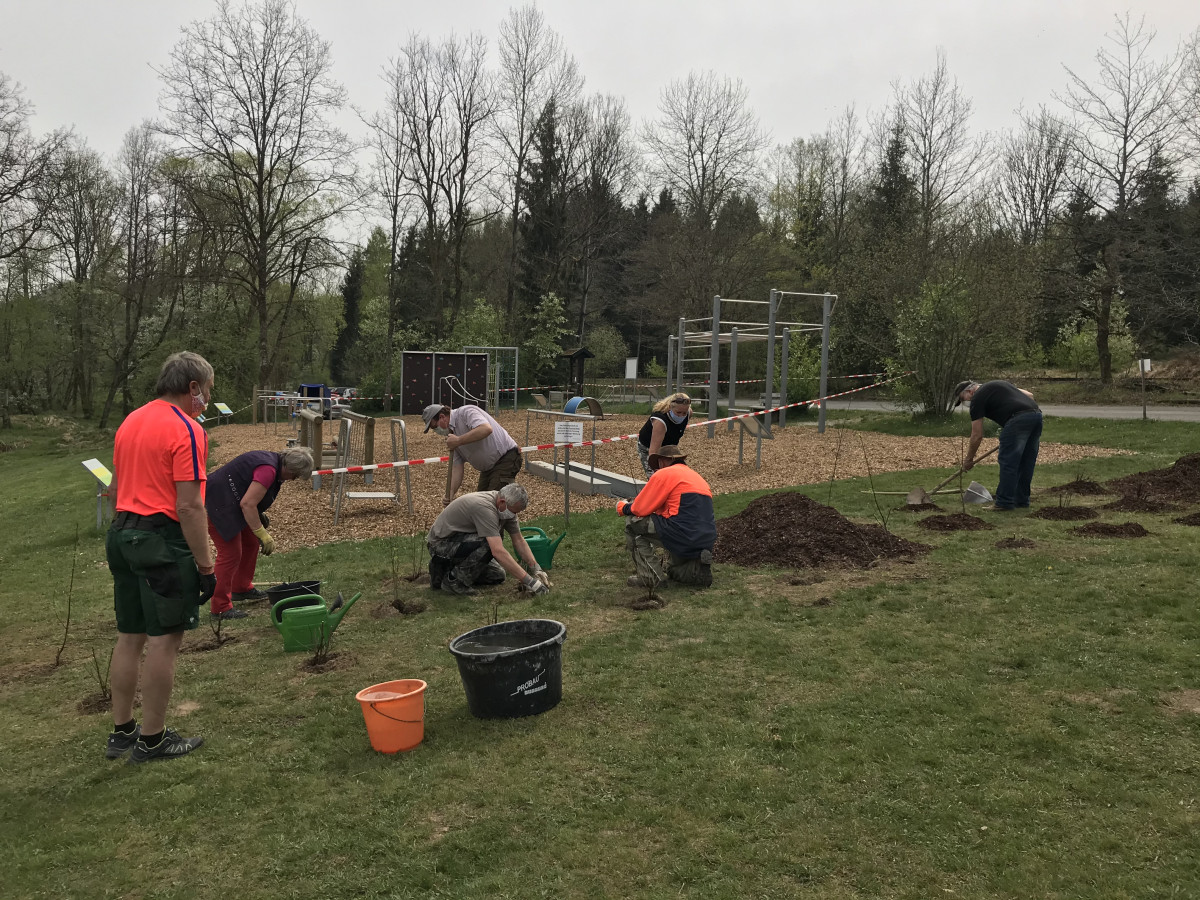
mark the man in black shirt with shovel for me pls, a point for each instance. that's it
(1020, 421)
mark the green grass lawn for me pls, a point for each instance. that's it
(979, 723)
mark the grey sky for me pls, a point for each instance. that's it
(89, 64)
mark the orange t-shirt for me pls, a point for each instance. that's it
(156, 446)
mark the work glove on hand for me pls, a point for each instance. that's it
(268, 542)
(208, 586)
(540, 574)
(534, 585)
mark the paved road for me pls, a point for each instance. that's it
(1070, 411)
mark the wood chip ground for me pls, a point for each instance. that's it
(798, 455)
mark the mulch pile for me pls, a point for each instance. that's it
(1102, 529)
(793, 530)
(918, 507)
(1015, 543)
(1065, 513)
(1179, 482)
(1190, 519)
(1081, 486)
(956, 522)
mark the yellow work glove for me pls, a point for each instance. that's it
(268, 542)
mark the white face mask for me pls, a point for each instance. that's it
(506, 516)
(442, 431)
(677, 418)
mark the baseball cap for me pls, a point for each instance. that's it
(431, 412)
(959, 388)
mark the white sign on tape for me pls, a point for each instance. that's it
(568, 432)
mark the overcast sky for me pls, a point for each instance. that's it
(90, 64)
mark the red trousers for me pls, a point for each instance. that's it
(236, 560)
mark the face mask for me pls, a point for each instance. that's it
(199, 404)
(675, 417)
(442, 431)
(506, 516)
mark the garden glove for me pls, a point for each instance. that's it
(534, 585)
(268, 542)
(541, 576)
(208, 586)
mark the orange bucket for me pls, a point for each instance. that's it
(395, 714)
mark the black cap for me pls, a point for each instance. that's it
(959, 388)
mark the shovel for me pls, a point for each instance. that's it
(918, 495)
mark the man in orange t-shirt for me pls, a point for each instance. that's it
(674, 510)
(158, 553)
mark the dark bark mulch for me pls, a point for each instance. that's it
(1103, 529)
(918, 507)
(793, 530)
(1130, 503)
(1179, 482)
(1015, 543)
(1065, 513)
(1189, 519)
(956, 522)
(1081, 486)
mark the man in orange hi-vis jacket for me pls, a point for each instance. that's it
(674, 510)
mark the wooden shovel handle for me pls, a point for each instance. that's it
(960, 471)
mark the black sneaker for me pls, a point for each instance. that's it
(231, 614)
(452, 585)
(170, 747)
(251, 596)
(120, 743)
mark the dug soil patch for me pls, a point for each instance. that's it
(1015, 544)
(794, 531)
(1081, 486)
(1140, 504)
(956, 522)
(918, 507)
(1190, 519)
(1065, 513)
(1102, 529)
(1179, 482)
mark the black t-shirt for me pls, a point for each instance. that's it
(674, 432)
(999, 401)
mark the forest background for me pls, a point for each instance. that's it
(513, 208)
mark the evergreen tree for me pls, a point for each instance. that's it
(352, 293)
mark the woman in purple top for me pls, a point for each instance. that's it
(238, 496)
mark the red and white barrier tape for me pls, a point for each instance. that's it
(350, 470)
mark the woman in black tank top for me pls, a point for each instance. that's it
(666, 425)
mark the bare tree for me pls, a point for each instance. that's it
(1121, 125)
(706, 143)
(1031, 180)
(249, 98)
(26, 183)
(439, 102)
(946, 160)
(535, 69)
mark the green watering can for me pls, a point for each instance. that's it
(540, 545)
(303, 619)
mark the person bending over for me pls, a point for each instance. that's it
(466, 547)
(474, 436)
(665, 427)
(238, 497)
(1020, 421)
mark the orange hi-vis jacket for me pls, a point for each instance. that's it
(681, 503)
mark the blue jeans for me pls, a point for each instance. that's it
(1020, 440)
